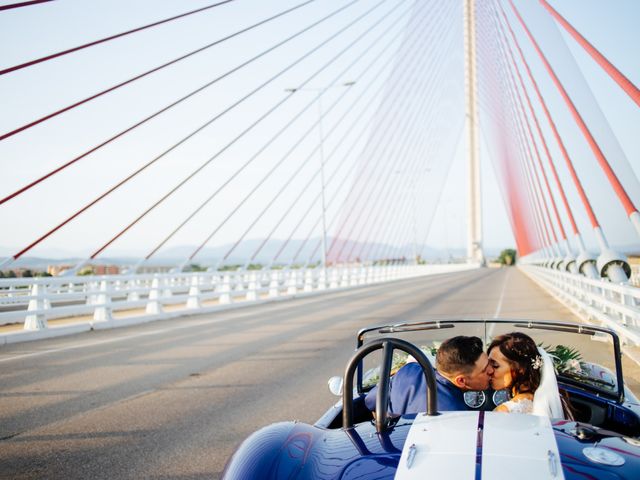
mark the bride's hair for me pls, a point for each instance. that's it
(522, 353)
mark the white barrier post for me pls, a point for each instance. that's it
(322, 279)
(308, 280)
(36, 321)
(153, 305)
(273, 285)
(362, 279)
(253, 285)
(103, 312)
(344, 277)
(225, 290)
(194, 293)
(333, 282)
(353, 277)
(293, 283)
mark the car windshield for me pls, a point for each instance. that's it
(583, 356)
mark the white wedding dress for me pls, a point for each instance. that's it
(546, 400)
(519, 406)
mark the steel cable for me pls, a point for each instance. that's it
(96, 200)
(104, 40)
(176, 102)
(247, 163)
(142, 75)
(381, 154)
(373, 147)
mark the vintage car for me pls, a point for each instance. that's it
(598, 438)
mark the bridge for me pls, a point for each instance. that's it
(259, 180)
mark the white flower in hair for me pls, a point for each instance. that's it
(536, 362)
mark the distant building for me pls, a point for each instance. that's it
(57, 269)
(105, 269)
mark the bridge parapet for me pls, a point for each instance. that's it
(83, 303)
(617, 306)
(635, 275)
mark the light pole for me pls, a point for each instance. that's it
(320, 92)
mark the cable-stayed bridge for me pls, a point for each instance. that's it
(238, 153)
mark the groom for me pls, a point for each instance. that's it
(461, 365)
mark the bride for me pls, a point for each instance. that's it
(528, 372)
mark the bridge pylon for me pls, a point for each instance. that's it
(475, 253)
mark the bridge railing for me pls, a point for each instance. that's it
(635, 275)
(91, 302)
(615, 305)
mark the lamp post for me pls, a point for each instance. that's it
(320, 92)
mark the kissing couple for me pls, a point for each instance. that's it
(512, 361)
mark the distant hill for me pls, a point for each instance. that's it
(210, 255)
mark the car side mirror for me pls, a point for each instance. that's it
(335, 385)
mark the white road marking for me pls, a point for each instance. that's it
(499, 306)
(504, 289)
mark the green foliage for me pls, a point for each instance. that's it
(229, 268)
(85, 272)
(507, 257)
(42, 274)
(565, 358)
(254, 266)
(196, 267)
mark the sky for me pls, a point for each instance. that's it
(435, 203)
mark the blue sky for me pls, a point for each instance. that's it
(35, 31)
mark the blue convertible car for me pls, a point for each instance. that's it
(596, 438)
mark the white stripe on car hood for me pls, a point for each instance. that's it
(480, 445)
(519, 446)
(445, 447)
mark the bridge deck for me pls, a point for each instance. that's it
(171, 399)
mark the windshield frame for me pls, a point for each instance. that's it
(519, 323)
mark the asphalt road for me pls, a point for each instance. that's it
(172, 399)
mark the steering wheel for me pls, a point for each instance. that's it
(388, 345)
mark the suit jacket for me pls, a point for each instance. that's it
(408, 392)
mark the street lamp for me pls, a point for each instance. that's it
(320, 92)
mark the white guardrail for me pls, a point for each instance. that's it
(613, 305)
(635, 275)
(94, 302)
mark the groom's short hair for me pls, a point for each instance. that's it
(458, 354)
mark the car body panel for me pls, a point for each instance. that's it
(604, 442)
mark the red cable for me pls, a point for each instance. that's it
(23, 4)
(153, 115)
(574, 176)
(600, 59)
(137, 77)
(537, 152)
(102, 40)
(595, 148)
(540, 134)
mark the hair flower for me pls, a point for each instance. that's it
(536, 362)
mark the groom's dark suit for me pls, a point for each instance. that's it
(408, 392)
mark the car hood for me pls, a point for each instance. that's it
(480, 445)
